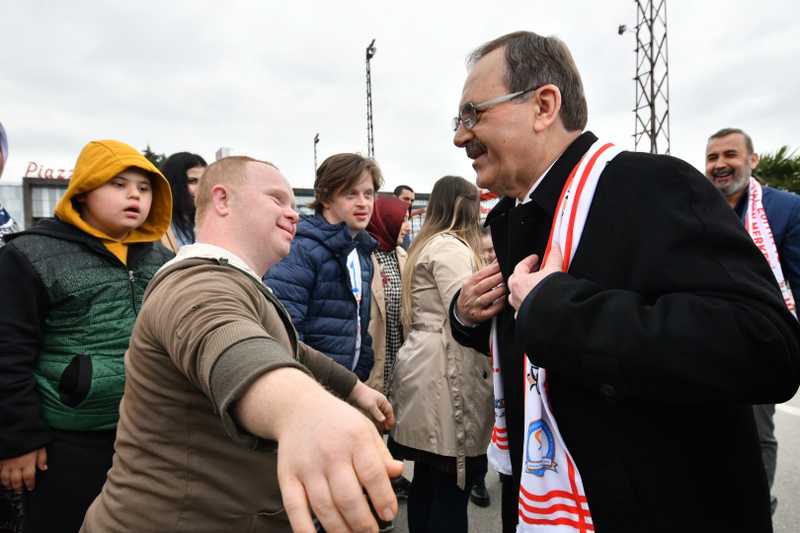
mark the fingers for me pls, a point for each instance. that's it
(29, 475)
(295, 504)
(388, 413)
(495, 308)
(16, 480)
(5, 476)
(321, 500)
(487, 271)
(376, 413)
(373, 474)
(527, 265)
(41, 458)
(350, 500)
(487, 284)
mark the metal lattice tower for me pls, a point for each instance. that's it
(370, 135)
(652, 77)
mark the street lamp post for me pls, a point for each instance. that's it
(370, 135)
(316, 142)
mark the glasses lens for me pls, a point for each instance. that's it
(469, 116)
(456, 122)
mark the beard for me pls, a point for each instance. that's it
(739, 179)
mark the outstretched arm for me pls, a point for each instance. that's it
(327, 451)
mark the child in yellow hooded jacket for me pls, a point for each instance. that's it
(72, 287)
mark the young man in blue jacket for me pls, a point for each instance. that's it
(324, 281)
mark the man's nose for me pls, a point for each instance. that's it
(462, 136)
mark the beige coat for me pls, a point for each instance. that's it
(205, 332)
(442, 391)
(377, 322)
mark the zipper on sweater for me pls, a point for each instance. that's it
(131, 279)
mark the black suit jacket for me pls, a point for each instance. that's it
(666, 328)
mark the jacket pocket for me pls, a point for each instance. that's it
(76, 381)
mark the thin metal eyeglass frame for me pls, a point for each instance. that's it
(483, 106)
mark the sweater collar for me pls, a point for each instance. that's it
(203, 250)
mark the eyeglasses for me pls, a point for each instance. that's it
(470, 113)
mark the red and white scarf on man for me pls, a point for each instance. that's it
(551, 494)
(757, 225)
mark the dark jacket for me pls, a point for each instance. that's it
(68, 308)
(783, 215)
(668, 325)
(314, 285)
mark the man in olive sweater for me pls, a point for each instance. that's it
(225, 423)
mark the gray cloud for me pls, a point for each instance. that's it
(264, 77)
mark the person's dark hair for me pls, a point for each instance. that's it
(453, 207)
(532, 61)
(174, 169)
(724, 132)
(400, 188)
(340, 172)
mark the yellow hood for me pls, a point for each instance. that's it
(98, 163)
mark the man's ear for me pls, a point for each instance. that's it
(754, 159)
(221, 200)
(547, 103)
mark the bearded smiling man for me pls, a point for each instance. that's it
(730, 161)
(641, 322)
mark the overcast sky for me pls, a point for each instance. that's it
(264, 76)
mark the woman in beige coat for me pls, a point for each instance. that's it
(441, 391)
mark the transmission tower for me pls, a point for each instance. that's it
(370, 135)
(652, 76)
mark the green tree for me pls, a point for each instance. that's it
(155, 158)
(780, 169)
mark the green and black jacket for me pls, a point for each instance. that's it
(66, 313)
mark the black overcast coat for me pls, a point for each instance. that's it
(668, 325)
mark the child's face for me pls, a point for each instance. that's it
(121, 205)
(353, 206)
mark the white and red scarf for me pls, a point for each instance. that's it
(551, 494)
(757, 225)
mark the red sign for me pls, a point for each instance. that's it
(37, 170)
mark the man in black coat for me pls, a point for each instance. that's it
(666, 327)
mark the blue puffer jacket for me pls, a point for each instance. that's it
(314, 285)
(783, 215)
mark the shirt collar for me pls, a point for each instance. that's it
(533, 187)
(547, 190)
(209, 251)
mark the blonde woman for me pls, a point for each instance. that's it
(441, 391)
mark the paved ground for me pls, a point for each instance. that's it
(787, 482)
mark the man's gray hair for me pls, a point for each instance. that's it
(532, 61)
(724, 132)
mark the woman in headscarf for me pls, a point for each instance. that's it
(388, 227)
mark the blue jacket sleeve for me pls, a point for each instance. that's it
(790, 252)
(292, 281)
